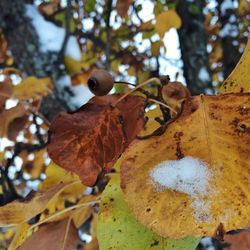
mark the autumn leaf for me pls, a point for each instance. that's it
(21, 234)
(155, 47)
(91, 139)
(8, 116)
(209, 141)
(5, 92)
(16, 126)
(122, 7)
(237, 241)
(20, 211)
(239, 79)
(32, 87)
(60, 235)
(55, 174)
(167, 20)
(118, 228)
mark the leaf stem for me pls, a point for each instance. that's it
(137, 87)
(163, 104)
(64, 211)
(127, 83)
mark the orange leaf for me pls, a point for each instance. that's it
(239, 241)
(91, 139)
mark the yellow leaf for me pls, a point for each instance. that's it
(55, 174)
(239, 80)
(155, 47)
(32, 87)
(73, 66)
(215, 132)
(167, 20)
(151, 124)
(21, 211)
(22, 233)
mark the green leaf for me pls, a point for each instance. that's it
(117, 229)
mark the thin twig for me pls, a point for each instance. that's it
(163, 104)
(64, 211)
(136, 88)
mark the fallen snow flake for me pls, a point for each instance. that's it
(51, 37)
(188, 175)
(204, 75)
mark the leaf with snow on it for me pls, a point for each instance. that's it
(118, 228)
(197, 172)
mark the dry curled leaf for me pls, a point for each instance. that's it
(211, 129)
(91, 139)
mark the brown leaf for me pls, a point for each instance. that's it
(53, 236)
(91, 139)
(239, 241)
(16, 126)
(9, 115)
(5, 91)
(122, 7)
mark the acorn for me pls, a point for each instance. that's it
(100, 82)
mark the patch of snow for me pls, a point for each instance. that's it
(10, 103)
(188, 175)
(51, 37)
(204, 75)
(81, 93)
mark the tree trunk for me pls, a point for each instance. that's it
(193, 44)
(24, 44)
(229, 36)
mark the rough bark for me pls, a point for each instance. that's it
(193, 44)
(24, 45)
(229, 40)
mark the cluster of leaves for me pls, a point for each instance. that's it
(90, 140)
